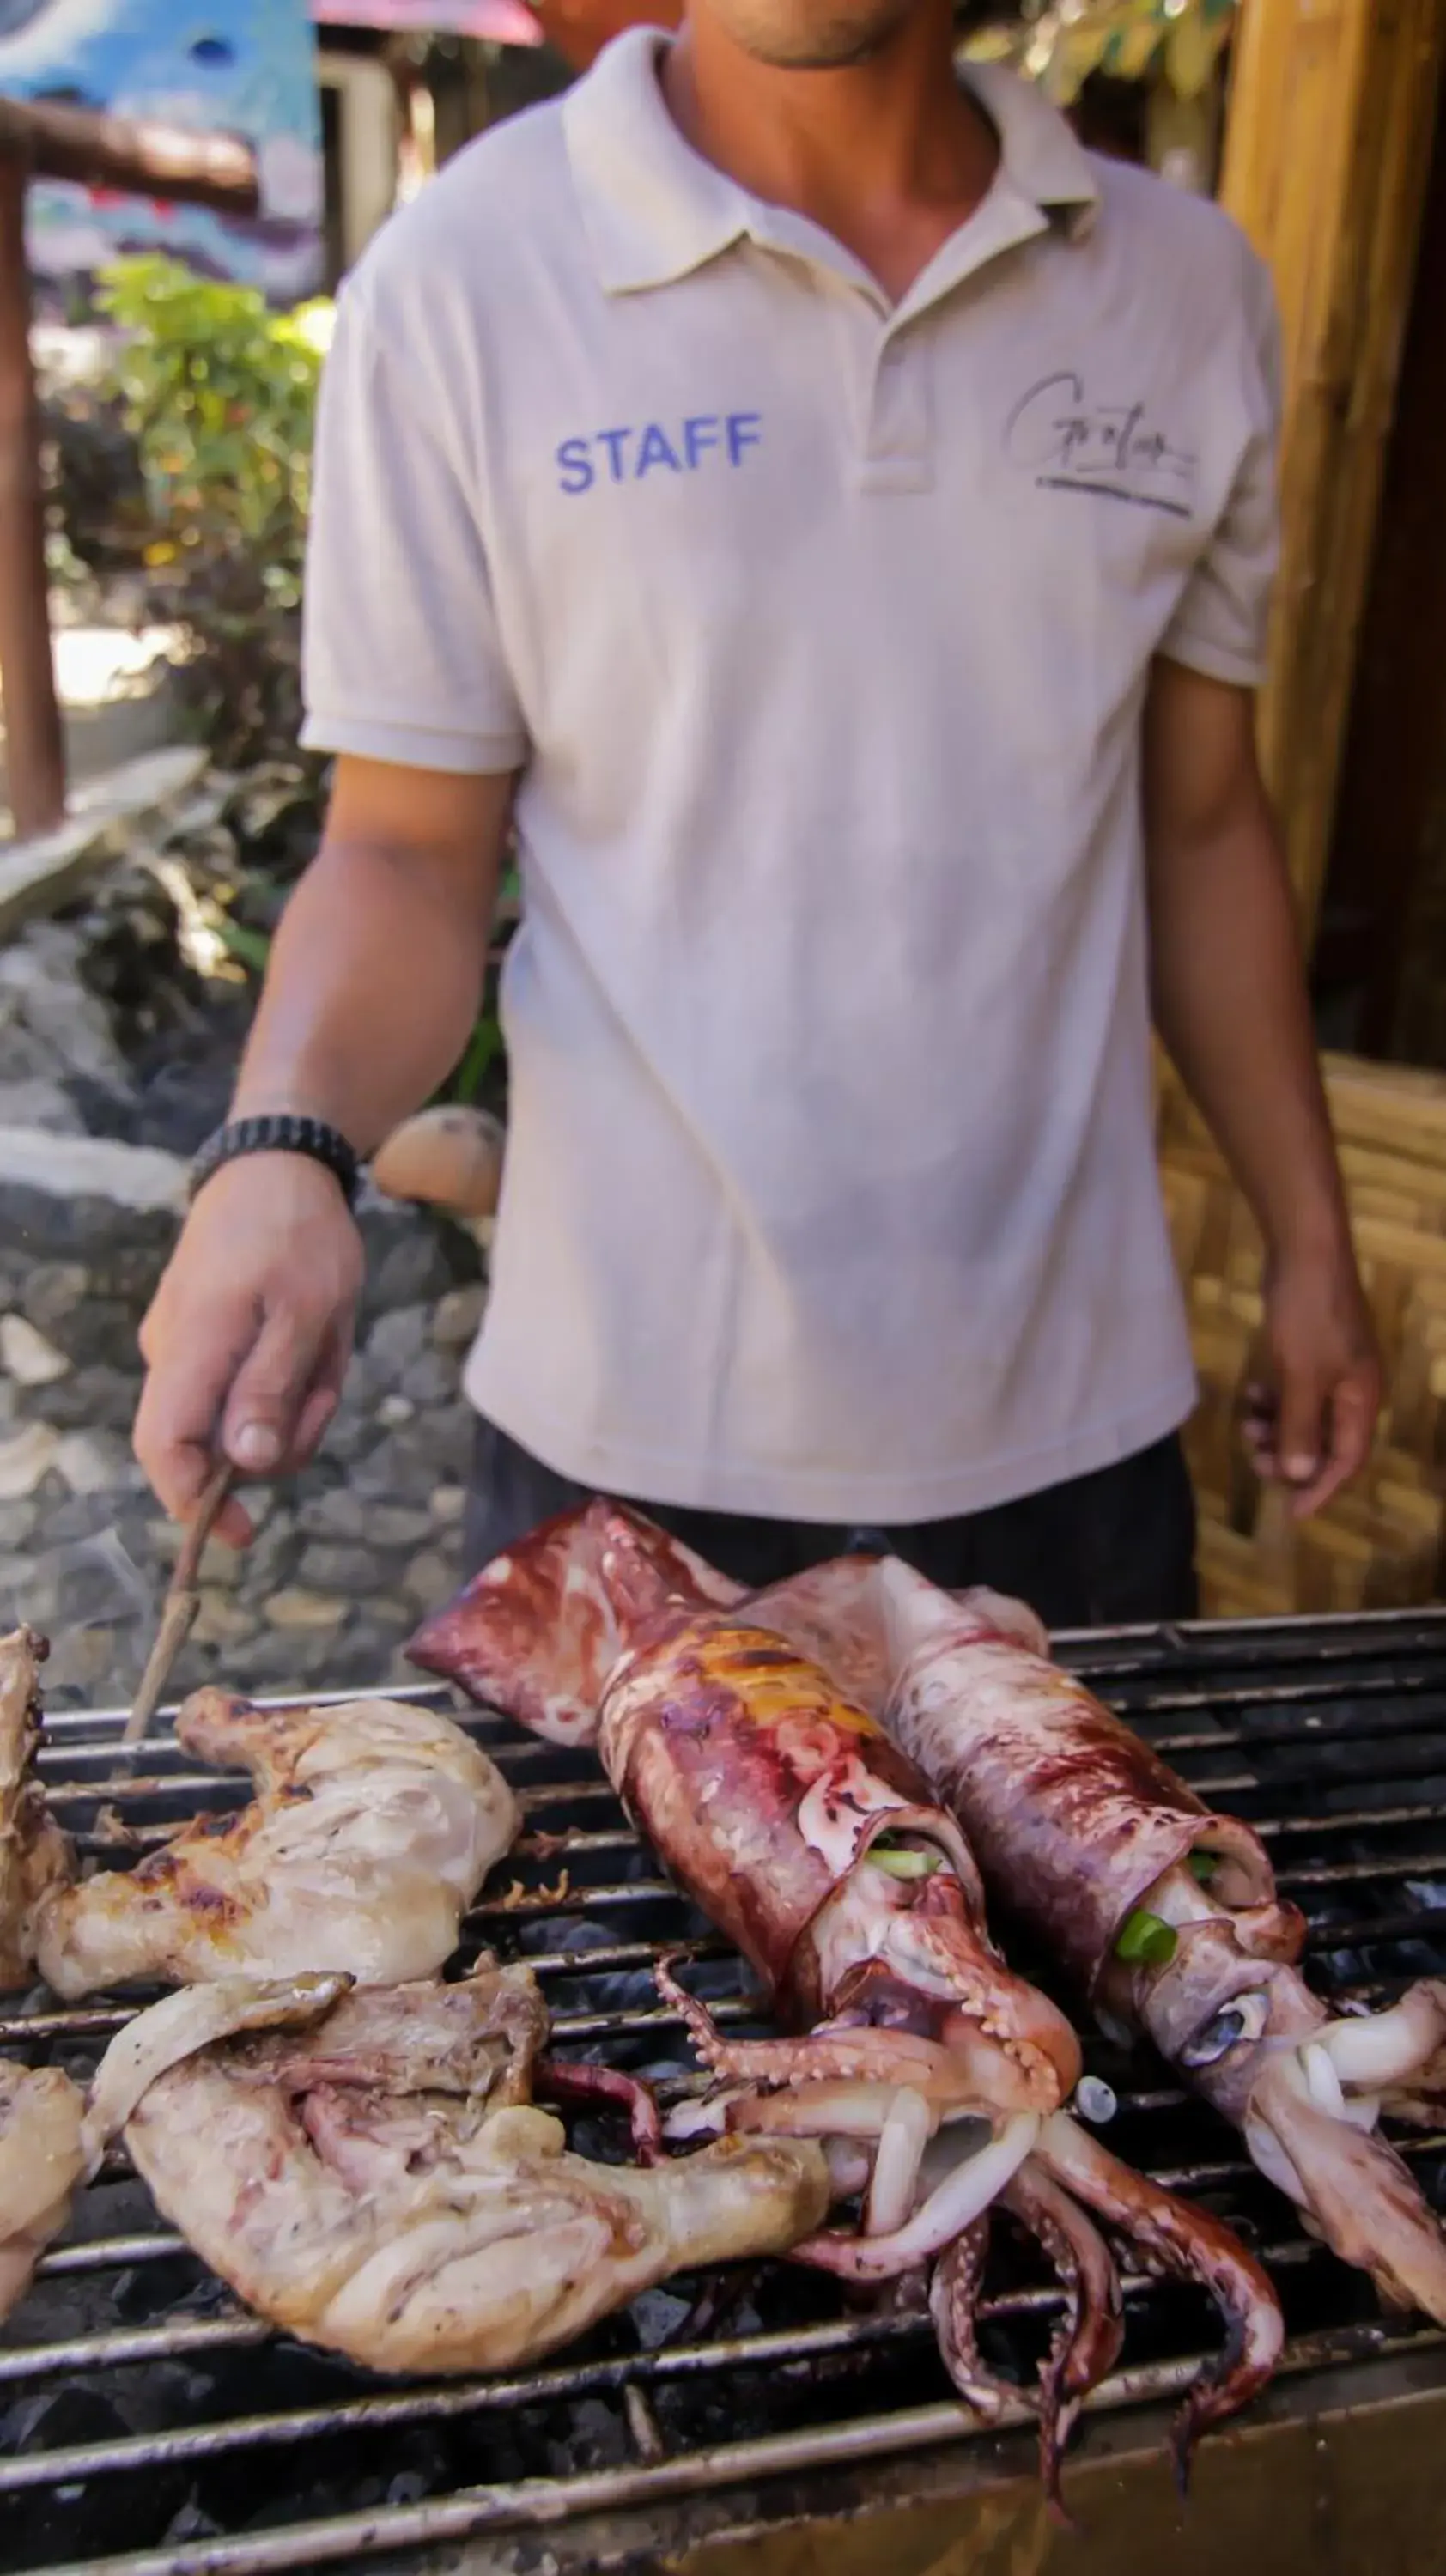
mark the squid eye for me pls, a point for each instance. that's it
(1242, 2020)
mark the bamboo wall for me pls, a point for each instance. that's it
(1380, 1545)
(1328, 139)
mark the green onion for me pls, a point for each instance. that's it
(1203, 1865)
(1147, 1939)
(900, 1862)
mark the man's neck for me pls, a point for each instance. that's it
(889, 155)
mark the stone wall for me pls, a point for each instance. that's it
(348, 1555)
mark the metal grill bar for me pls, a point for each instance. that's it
(228, 2333)
(539, 2502)
(1308, 1722)
(107, 2253)
(565, 2026)
(1203, 2177)
(449, 2404)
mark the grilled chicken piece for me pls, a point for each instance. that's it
(41, 2154)
(35, 1855)
(41, 2159)
(373, 1828)
(381, 2185)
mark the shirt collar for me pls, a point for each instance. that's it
(654, 210)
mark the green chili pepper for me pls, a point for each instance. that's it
(900, 1862)
(1203, 1865)
(1146, 1939)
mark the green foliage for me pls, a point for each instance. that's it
(191, 460)
(219, 393)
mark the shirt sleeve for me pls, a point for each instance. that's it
(401, 656)
(1221, 622)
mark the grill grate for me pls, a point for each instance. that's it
(148, 2424)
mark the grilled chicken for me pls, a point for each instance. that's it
(41, 2154)
(380, 2183)
(373, 1828)
(41, 2159)
(35, 1856)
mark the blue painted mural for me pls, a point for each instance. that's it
(241, 67)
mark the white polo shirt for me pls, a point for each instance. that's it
(820, 629)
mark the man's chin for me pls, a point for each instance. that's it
(838, 49)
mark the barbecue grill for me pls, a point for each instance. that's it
(149, 2425)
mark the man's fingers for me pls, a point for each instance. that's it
(1300, 1432)
(175, 1426)
(259, 1426)
(1352, 1421)
(324, 1394)
(233, 1522)
(311, 1422)
(176, 1467)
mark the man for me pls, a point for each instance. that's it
(835, 515)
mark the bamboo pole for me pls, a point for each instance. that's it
(34, 746)
(147, 159)
(1328, 142)
(47, 142)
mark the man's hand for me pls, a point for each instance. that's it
(371, 990)
(1231, 1005)
(1311, 1426)
(249, 1333)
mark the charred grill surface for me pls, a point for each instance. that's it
(146, 2422)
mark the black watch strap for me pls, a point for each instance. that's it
(283, 1132)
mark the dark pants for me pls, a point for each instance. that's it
(1102, 1551)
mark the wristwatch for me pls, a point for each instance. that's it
(283, 1132)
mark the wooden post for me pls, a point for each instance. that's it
(45, 142)
(123, 152)
(35, 752)
(1327, 148)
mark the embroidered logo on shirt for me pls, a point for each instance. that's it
(1071, 442)
(709, 438)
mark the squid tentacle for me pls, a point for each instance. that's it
(1181, 2238)
(968, 2187)
(1398, 2054)
(958, 2278)
(1086, 2344)
(555, 2080)
(1351, 2186)
(826, 2055)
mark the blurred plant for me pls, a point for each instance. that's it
(1062, 45)
(218, 393)
(99, 522)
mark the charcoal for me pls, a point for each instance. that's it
(191, 2523)
(657, 2316)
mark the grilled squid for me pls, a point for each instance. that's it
(1165, 1914)
(930, 2073)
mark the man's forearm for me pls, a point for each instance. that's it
(371, 991)
(1231, 1007)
